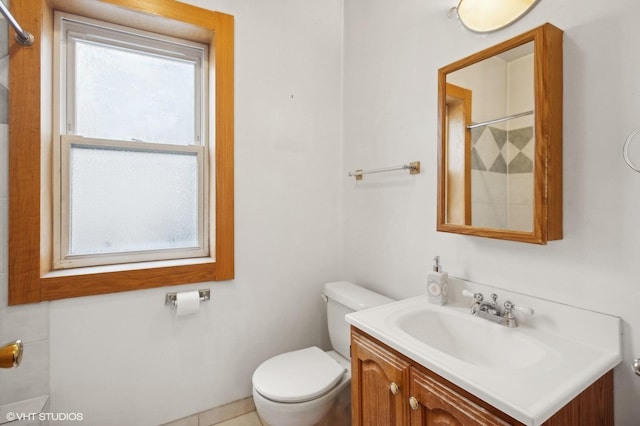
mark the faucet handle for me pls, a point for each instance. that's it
(468, 293)
(524, 309)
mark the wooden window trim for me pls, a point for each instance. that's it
(31, 278)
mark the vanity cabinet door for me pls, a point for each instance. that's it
(389, 389)
(434, 403)
(379, 384)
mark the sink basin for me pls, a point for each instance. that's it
(472, 340)
(528, 372)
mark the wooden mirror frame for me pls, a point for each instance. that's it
(547, 197)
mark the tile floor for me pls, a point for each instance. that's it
(242, 413)
(238, 413)
(249, 419)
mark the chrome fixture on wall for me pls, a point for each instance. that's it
(171, 299)
(22, 37)
(625, 151)
(413, 167)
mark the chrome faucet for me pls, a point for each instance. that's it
(491, 311)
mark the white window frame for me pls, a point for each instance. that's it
(64, 137)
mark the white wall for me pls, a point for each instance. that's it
(125, 358)
(392, 53)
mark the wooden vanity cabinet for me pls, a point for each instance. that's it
(434, 403)
(380, 379)
(390, 389)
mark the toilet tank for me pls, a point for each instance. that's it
(344, 297)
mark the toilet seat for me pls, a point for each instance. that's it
(297, 376)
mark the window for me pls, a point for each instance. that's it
(130, 157)
(85, 193)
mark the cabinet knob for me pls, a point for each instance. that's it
(394, 388)
(413, 403)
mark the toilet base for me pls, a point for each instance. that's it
(339, 414)
(278, 414)
(327, 410)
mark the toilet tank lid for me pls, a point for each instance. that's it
(354, 296)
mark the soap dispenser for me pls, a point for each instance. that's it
(437, 284)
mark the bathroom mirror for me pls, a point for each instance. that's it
(489, 15)
(500, 140)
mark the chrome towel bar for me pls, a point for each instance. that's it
(413, 167)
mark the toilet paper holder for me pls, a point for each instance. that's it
(171, 298)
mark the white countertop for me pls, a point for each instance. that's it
(579, 347)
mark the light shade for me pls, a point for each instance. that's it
(490, 15)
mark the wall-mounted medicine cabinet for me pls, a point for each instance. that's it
(500, 140)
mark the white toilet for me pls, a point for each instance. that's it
(298, 388)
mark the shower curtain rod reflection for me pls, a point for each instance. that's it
(499, 120)
(22, 37)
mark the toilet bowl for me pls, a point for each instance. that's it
(298, 404)
(299, 388)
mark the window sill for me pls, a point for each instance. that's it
(95, 280)
(127, 267)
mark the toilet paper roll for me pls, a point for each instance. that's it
(187, 302)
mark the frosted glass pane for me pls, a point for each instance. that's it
(127, 95)
(124, 201)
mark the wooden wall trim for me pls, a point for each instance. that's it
(24, 157)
